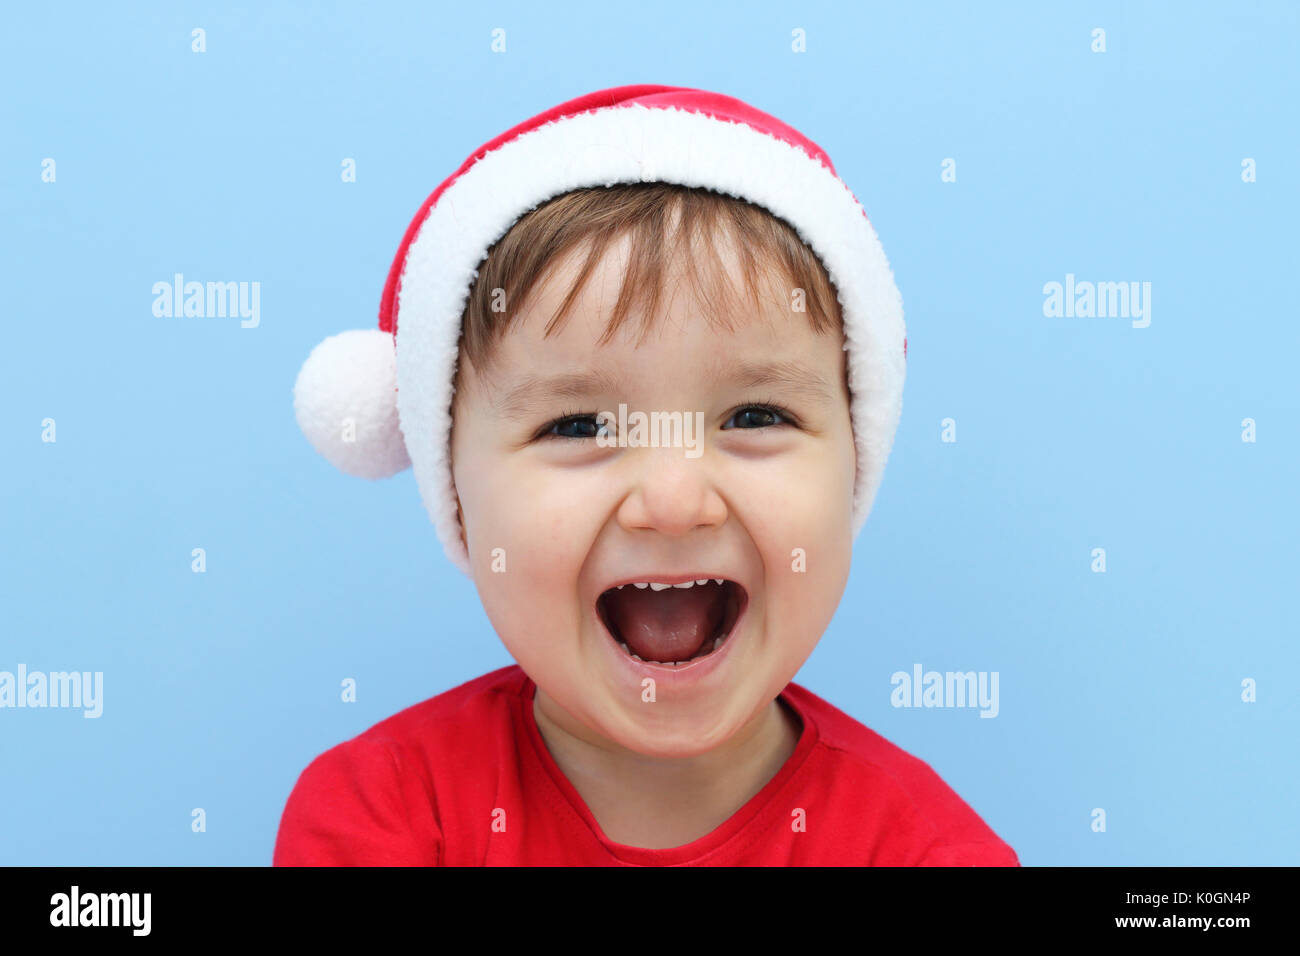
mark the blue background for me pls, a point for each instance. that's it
(1118, 690)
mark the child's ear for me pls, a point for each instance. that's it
(460, 520)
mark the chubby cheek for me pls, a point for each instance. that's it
(529, 535)
(800, 517)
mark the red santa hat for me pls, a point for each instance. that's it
(377, 400)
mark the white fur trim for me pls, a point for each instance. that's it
(346, 403)
(628, 144)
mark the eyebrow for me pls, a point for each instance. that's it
(534, 393)
(790, 376)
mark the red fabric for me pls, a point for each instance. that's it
(425, 786)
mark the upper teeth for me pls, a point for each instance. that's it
(656, 586)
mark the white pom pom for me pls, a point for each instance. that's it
(346, 403)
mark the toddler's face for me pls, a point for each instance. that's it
(762, 501)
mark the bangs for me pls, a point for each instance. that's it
(667, 227)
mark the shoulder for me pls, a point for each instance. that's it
(373, 799)
(920, 818)
(444, 719)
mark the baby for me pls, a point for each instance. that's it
(589, 290)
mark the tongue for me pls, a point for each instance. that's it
(666, 626)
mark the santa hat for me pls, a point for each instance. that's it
(374, 401)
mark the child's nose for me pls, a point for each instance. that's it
(670, 493)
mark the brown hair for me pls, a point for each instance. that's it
(520, 260)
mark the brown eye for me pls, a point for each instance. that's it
(576, 426)
(758, 416)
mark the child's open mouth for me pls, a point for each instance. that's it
(671, 624)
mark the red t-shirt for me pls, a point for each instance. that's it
(465, 778)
